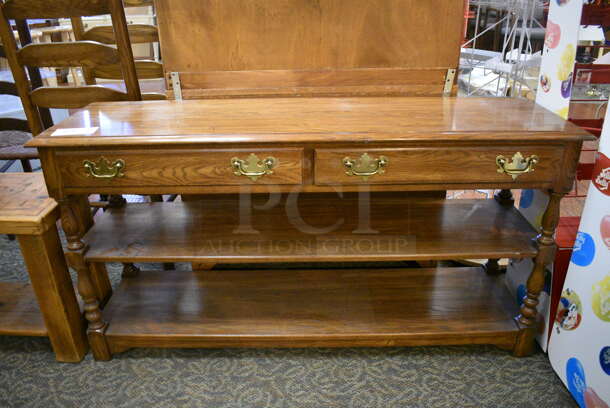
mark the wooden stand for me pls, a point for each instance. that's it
(27, 211)
(348, 178)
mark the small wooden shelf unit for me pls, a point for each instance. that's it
(318, 211)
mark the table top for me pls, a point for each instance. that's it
(307, 120)
(24, 203)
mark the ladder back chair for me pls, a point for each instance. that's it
(88, 54)
(138, 34)
(15, 132)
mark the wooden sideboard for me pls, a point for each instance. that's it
(347, 177)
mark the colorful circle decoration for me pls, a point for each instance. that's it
(553, 34)
(577, 382)
(601, 173)
(569, 310)
(564, 70)
(562, 2)
(566, 86)
(584, 249)
(545, 83)
(592, 400)
(527, 198)
(600, 299)
(563, 112)
(604, 359)
(604, 229)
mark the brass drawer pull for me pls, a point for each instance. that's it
(253, 167)
(103, 168)
(365, 166)
(518, 166)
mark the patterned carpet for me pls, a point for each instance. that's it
(427, 377)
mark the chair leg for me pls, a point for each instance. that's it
(27, 166)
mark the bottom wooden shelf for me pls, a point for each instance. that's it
(310, 308)
(19, 311)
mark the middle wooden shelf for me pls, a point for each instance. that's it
(310, 228)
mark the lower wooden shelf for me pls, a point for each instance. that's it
(19, 311)
(311, 308)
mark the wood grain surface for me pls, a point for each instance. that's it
(19, 311)
(301, 34)
(311, 227)
(310, 308)
(138, 33)
(33, 9)
(313, 120)
(69, 54)
(75, 97)
(438, 165)
(24, 203)
(181, 167)
(145, 70)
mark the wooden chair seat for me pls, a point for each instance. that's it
(11, 146)
(18, 153)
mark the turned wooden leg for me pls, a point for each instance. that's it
(76, 219)
(130, 270)
(75, 223)
(505, 197)
(26, 165)
(101, 282)
(492, 267)
(96, 329)
(535, 283)
(116, 201)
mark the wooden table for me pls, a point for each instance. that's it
(27, 211)
(336, 152)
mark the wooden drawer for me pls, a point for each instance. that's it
(445, 165)
(179, 167)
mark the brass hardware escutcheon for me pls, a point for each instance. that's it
(104, 169)
(365, 166)
(253, 167)
(518, 165)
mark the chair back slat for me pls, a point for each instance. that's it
(14, 124)
(68, 54)
(138, 3)
(153, 96)
(138, 34)
(145, 70)
(83, 54)
(41, 9)
(75, 97)
(8, 88)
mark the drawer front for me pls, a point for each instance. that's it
(181, 167)
(436, 165)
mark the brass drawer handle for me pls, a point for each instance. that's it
(365, 166)
(104, 169)
(518, 166)
(253, 167)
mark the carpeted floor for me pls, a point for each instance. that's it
(426, 377)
